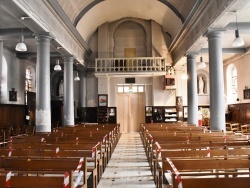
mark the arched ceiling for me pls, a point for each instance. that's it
(87, 15)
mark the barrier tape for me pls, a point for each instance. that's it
(93, 151)
(78, 179)
(176, 172)
(10, 139)
(187, 140)
(66, 180)
(77, 140)
(159, 149)
(10, 152)
(225, 138)
(57, 152)
(79, 165)
(104, 139)
(208, 151)
(7, 181)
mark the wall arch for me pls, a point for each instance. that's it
(129, 35)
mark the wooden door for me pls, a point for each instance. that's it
(130, 111)
(123, 113)
(137, 111)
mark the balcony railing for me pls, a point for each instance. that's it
(139, 64)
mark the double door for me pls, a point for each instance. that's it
(130, 111)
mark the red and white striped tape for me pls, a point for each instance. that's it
(10, 139)
(179, 181)
(42, 139)
(77, 140)
(159, 149)
(79, 165)
(8, 177)
(78, 179)
(208, 151)
(10, 152)
(187, 140)
(66, 180)
(225, 138)
(104, 139)
(93, 151)
(57, 152)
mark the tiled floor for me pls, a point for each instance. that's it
(128, 166)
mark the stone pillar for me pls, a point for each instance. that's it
(43, 109)
(192, 89)
(1, 68)
(68, 107)
(217, 110)
(83, 91)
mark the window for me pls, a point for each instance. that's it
(130, 89)
(232, 86)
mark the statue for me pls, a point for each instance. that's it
(61, 89)
(201, 85)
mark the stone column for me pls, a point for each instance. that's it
(1, 68)
(217, 110)
(43, 109)
(192, 89)
(83, 92)
(68, 107)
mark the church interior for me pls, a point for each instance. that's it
(114, 93)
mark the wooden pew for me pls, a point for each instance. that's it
(33, 181)
(43, 150)
(50, 167)
(194, 171)
(218, 151)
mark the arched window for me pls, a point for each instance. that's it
(28, 84)
(232, 87)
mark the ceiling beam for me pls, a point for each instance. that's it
(26, 55)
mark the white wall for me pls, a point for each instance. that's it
(242, 64)
(14, 71)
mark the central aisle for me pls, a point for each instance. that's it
(128, 166)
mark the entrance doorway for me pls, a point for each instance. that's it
(130, 111)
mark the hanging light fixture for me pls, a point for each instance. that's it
(238, 41)
(21, 46)
(57, 66)
(77, 78)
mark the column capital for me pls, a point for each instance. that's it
(43, 35)
(68, 57)
(214, 33)
(191, 55)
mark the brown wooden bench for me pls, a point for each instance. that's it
(49, 167)
(206, 173)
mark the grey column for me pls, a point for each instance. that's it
(192, 89)
(43, 109)
(217, 110)
(1, 68)
(68, 108)
(83, 93)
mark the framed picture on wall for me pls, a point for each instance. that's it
(103, 100)
(246, 93)
(12, 95)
